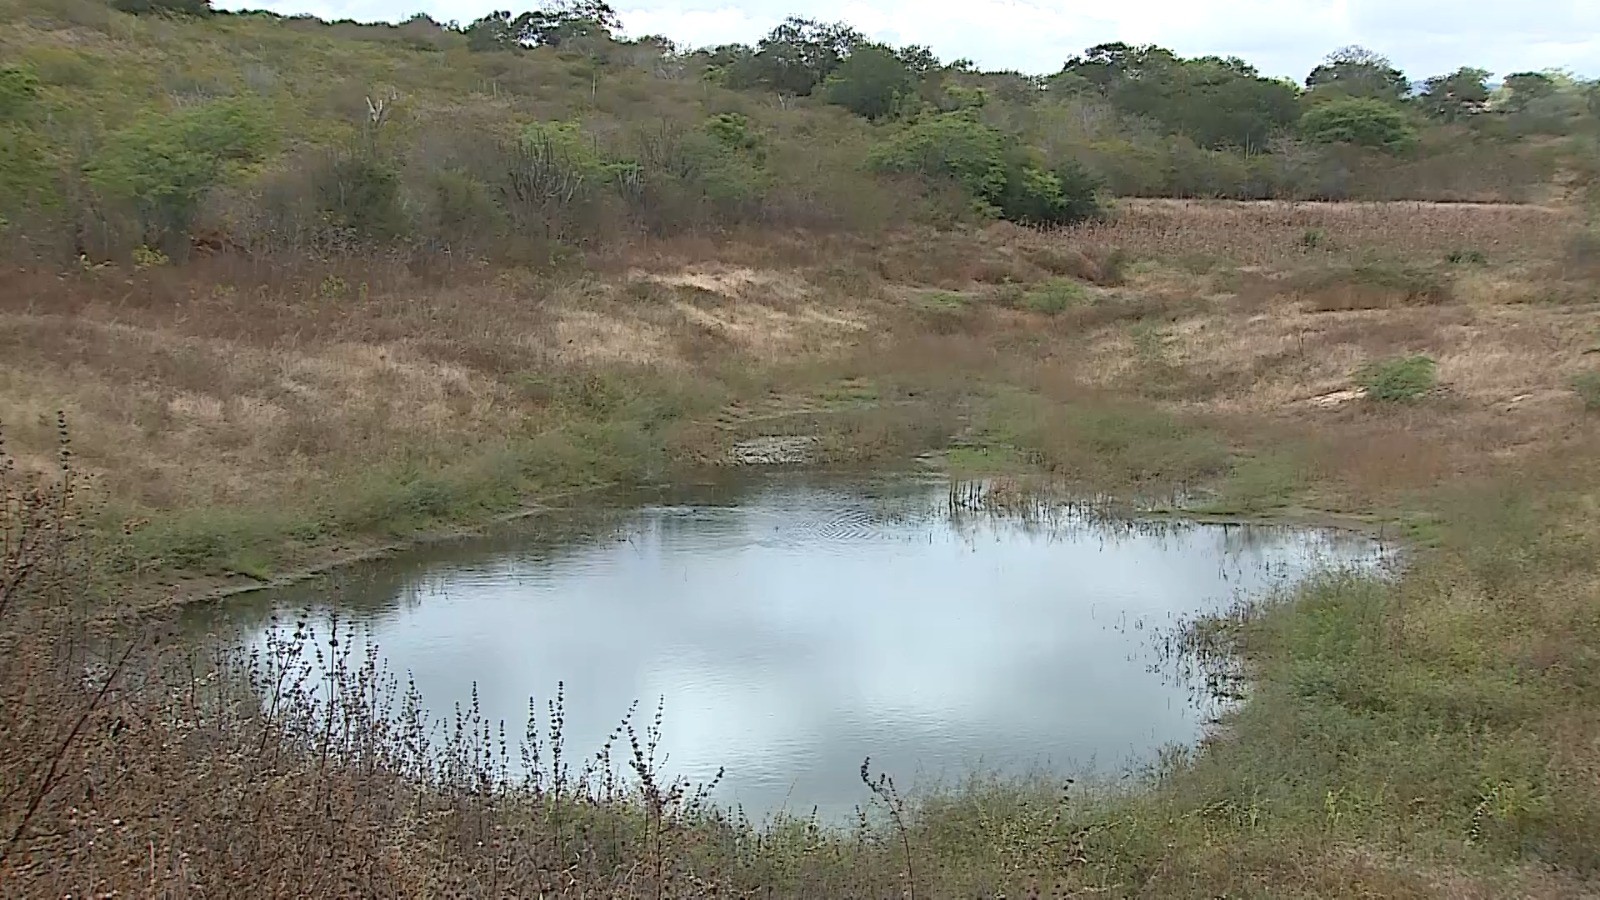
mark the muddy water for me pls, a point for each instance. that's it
(793, 627)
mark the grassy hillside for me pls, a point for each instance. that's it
(437, 142)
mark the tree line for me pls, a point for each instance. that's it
(1115, 120)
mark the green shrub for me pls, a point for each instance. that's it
(164, 165)
(1587, 387)
(360, 194)
(1001, 176)
(872, 83)
(1466, 257)
(1399, 379)
(954, 147)
(1054, 296)
(1363, 121)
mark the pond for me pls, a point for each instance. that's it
(793, 626)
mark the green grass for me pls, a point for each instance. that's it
(1103, 443)
(1400, 379)
(1587, 387)
(1261, 483)
(1054, 296)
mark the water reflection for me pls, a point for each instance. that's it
(796, 627)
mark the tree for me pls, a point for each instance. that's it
(919, 59)
(164, 165)
(1215, 101)
(1527, 88)
(555, 23)
(1002, 177)
(1461, 93)
(952, 146)
(1104, 66)
(1358, 72)
(1363, 121)
(560, 21)
(197, 8)
(796, 57)
(871, 82)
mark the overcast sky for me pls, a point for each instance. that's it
(1281, 37)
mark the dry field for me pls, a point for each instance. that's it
(315, 390)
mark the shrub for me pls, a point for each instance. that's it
(954, 147)
(1372, 286)
(360, 195)
(1399, 379)
(164, 165)
(999, 175)
(1054, 296)
(1066, 196)
(872, 83)
(1587, 387)
(1466, 257)
(18, 89)
(1363, 121)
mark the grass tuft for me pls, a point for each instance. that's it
(1400, 379)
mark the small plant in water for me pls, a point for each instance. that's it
(884, 790)
(1399, 379)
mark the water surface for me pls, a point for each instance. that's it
(796, 626)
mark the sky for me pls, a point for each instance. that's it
(1280, 37)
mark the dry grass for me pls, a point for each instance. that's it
(1277, 232)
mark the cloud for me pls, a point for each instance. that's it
(1280, 37)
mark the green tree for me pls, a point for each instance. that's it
(1527, 88)
(872, 82)
(954, 147)
(919, 59)
(1358, 72)
(551, 25)
(1106, 66)
(165, 164)
(796, 57)
(26, 175)
(1363, 121)
(163, 7)
(1002, 177)
(1216, 102)
(1461, 93)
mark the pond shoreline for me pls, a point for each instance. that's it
(202, 590)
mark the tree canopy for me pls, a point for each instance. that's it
(556, 22)
(1462, 92)
(1355, 71)
(1363, 121)
(872, 82)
